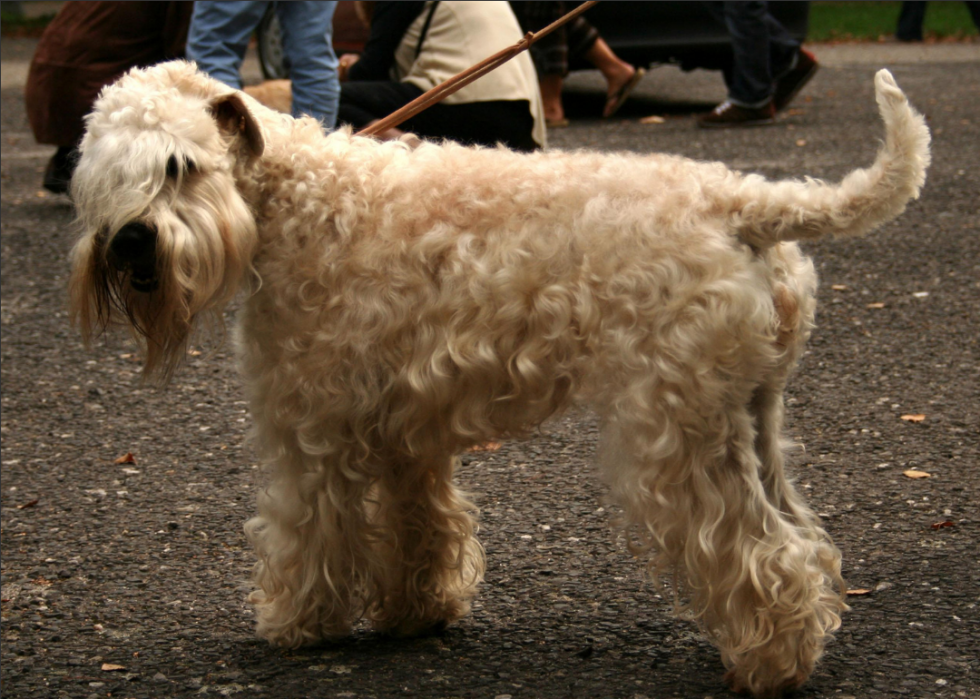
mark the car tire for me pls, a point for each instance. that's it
(272, 59)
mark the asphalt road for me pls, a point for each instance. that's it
(129, 579)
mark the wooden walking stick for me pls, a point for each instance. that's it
(460, 80)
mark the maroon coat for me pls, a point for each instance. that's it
(88, 45)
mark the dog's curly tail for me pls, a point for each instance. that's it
(766, 213)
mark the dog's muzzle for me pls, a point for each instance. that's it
(134, 248)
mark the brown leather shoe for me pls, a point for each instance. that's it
(790, 83)
(727, 115)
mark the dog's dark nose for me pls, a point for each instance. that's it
(135, 242)
(134, 247)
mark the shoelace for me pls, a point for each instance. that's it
(723, 107)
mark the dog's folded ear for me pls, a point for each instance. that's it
(235, 119)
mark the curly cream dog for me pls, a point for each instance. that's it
(403, 305)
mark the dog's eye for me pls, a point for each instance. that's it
(174, 167)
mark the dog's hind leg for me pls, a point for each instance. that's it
(430, 560)
(313, 540)
(752, 575)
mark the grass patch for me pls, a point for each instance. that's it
(873, 21)
(18, 25)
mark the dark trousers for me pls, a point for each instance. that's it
(475, 123)
(913, 14)
(763, 50)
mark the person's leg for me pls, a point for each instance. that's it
(752, 76)
(307, 41)
(784, 48)
(792, 65)
(59, 170)
(621, 77)
(554, 111)
(364, 102)
(973, 6)
(749, 79)
(478, 123)
(549, 54)
(910, 19)
(218, 36)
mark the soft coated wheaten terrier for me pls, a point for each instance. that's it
(403, 305)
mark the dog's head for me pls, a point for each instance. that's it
(166, 234)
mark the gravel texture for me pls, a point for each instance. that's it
(129, 579)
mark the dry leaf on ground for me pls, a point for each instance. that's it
(875, 305)
(109, 667)
(913, 418)
(127, 458)
(859, 591)
(29, 503)
(652, 120)
(912, 473)
(487, 446)
(944, 525)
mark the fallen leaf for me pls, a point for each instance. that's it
(912, 473)
(913, 418)
(801, 142)
(839, 287)
(29, 503)
(194, 353)
(109, 667)
(128, 458)
(944, 525)
(875, 305)
(487, 446)
(652, 120)
(859, 591)
(920, 294)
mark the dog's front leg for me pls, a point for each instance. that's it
(430, 561)
(313, 540)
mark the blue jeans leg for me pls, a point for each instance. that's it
(307, 29)
(219, 35)
(763, 50)
(752, 77)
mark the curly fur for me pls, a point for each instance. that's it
(403, 305)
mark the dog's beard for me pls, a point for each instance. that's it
(202, 254)
(160, 320)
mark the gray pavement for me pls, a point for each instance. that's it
(128, 579)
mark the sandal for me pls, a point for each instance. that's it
(616, 100)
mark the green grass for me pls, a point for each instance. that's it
(16, 25)
(870, 21)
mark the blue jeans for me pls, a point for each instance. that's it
(220, 32)
(763, 51)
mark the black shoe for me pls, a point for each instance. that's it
(57, 175)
